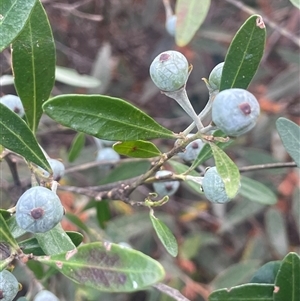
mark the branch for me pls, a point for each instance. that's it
(267, 166)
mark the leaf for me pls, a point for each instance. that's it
(33, 63)
(296, 3)
(244, 54)
(72, 78)
(14, 229)
(227, 170)
(17, 137)
(190, 16)
(289, 133)
(107, 267)
(137, 149)
(103, 213)
(235, 274)
(55, 241)
(257, 192)
(276, 231)
(206, 151)
(13, 17)
(165, 235)
(31, 245)
(77, 221)
(76, 147)
(244, 292)
(288, 278)
(267, 273)
(104, 117)
(5, 234)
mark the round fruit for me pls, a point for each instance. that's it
(213, 187)
(235, 111)
(14, 103)
(57, 167)
(45, 295)
(169, 71)
(38, 210)
(165, 188)
(192, 150)
(9, 286)
(107, 154)
(171, 25)
(215, 76)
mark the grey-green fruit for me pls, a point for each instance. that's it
(169, 71)
(9, 286)
(215, 76)
(14, 103)
(45, 295)
(213, 187)
(38, 210)
(235, 111)
(165, 188)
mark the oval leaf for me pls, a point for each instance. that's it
(296, 3)
(13, 17)
(72, 78)
(244, 54)
(33, 63)
(165, 235)
(257, 192)
(276, 231)
(17, 137)
(76, 147)
(104, 117)
(107, 267)
(137, 149)
(288, 278)
(55, 241)
(227, 170)
(289, 133)
(245, 292)
(267, 273)
(5, 234)
(190, 16)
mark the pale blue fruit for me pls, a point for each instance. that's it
(38, 210)
(169, 71)
(165, 188)
(107, 154)
(215, 76)
(191, 151)
(14, 103)
(58, 169)
(45, 295)
(235, 111)
(171, 25)
(9, 286)
(213, 187)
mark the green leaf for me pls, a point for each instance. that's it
(227, 170)
(267, 273)
(104, 117)
(235, 274)
(289, 133)
(14, 229)
(165, 235)
(5, 214)
(17, 137)
(244, 54)
(5, 234)
(245, 292)
(33, 62)
(103, 213)
(257, 192)
(31, 245)
(14, 15)
(107, 267)
(190, 16)
(55, 241)
(277, 231)
(72, 78)
(288, 278)
(296, 3)
(76, 147)
(206, 151)
(137, 149)
(77, 221)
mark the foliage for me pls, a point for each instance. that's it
(98, 257)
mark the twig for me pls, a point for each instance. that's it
(267, 166)
(172, 292)
(284, 32)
